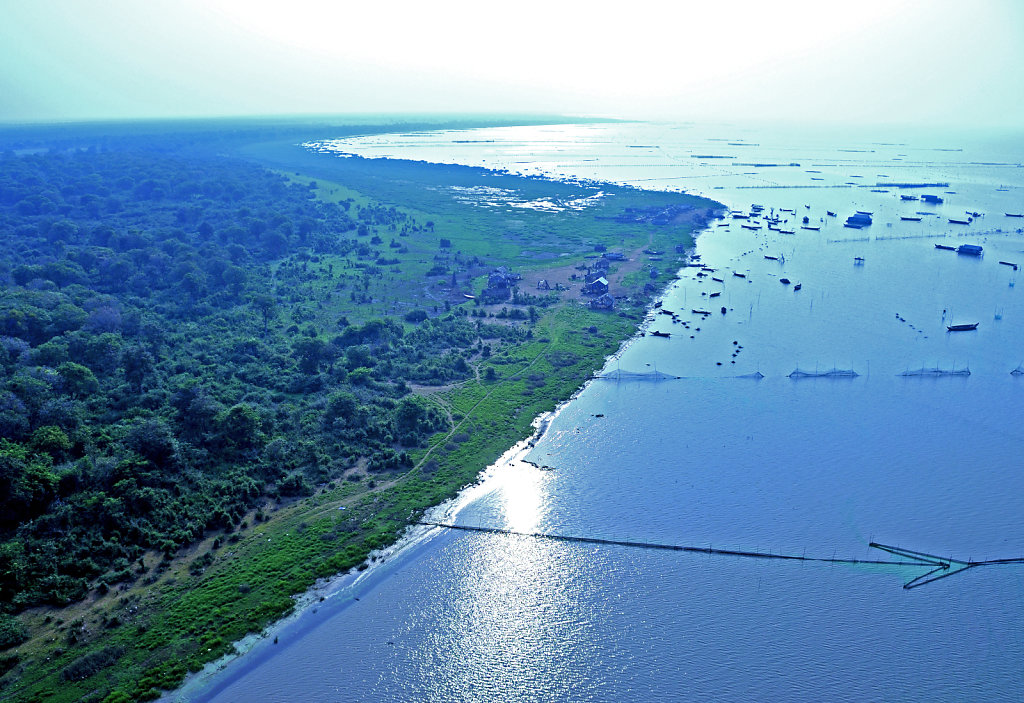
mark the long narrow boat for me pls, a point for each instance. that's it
(962, 328)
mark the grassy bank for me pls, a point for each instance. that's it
(186, 608)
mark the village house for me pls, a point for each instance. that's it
(597, 286)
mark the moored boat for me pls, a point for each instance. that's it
(962, 328)
(969, 249)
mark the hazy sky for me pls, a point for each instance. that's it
(922, 61)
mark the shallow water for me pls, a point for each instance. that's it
(817, 467)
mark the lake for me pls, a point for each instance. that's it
(731, 452)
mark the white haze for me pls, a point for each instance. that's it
(936, 62)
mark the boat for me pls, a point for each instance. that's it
(957, 221)
(751, 226)
(798, 286)
(713, 278)
(793, 231)
(813, 229)
(1009, 263)
(739, 275)
(1014, 214)
(969, 249)
(700, 312)
(723, 310)
(851, 225)
(830, 213)
(858, 260)
(962, 328)
(907, 218)
(908, 197)
(772, 258)
(946, 247)
(784, 281)
(659, 333)
(714, 295)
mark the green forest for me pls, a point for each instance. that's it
(212, 339)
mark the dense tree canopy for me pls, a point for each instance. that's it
(157, 372)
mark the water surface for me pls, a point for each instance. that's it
(817, 467)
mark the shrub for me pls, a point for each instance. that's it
(12, 631)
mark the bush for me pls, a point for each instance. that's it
(12, 631)
(86, 666)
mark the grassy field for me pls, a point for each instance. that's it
(184, 612)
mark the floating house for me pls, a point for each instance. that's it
(859, 219)
(934, 199)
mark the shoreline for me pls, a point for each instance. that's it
(199, 684)
(495, 412)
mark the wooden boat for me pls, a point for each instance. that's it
(700, 312)
(658, 333)
(1014, 214)
(962, 328)
(1009, 263)
(772, 258)
(739, 275)
(943, 246)
(813, 229)
(905, 218)
(713, 278)
(784, 281)
(956, 221)
(798, 286)
(830, 213)
(714, 295)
